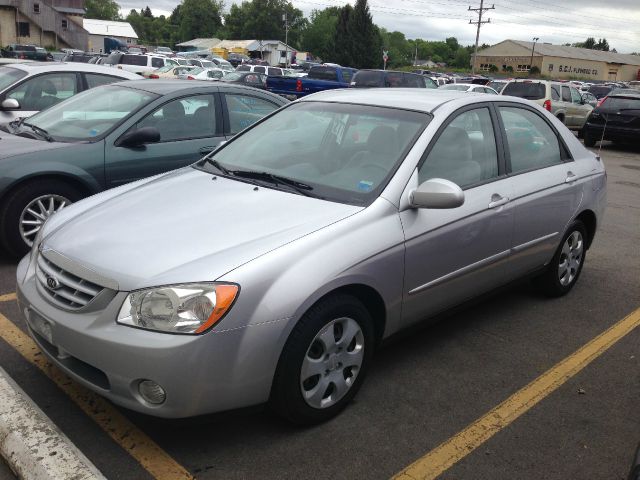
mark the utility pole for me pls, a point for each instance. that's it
(533, 48)
(480, 11)
(286, 40)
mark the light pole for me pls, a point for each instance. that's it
(533, 48)
(286, 40)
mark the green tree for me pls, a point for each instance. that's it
(200, 18)
(462, 58)
(366, 42)
(602, 45)
(102, 9)
(401, 53)
(343, 52)
(319, 36)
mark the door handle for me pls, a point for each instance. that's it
(571, 177)
(497, 201)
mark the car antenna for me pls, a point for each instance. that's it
(606, 119)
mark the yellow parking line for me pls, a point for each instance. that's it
(462, 444)
(9, 297)
(155, 460)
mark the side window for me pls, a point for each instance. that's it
(275, 71)
(555, 92)
(157, 62)
(243, 68)
(393, 79)
(43, 91)
(575, 96)
(183, 119)
(412, 81)
(245, 110)
(95, 80)
(566, 94)
(346, 75)
(531, 141)
(465, 152)
(259, 69)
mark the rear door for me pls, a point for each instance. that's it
(190, 127)
(546, 188)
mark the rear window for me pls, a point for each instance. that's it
(139, 60)
(368, 79)
(259, 69)
(274, 71)
(621, 103)
(25, 48)
(9, 76)
(497, 86)
(243, 68)
(528, 90)
(600, 92)
(323, 73)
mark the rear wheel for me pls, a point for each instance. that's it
(324, 361)
(564, 269)
(28, 207)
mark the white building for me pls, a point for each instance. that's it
(101, 29)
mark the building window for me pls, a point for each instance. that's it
(523, 68)
(23, 29)
(551, 67)
(65, 24)
(485, 67)
(36, 8)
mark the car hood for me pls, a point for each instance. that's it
(12, 145)
(187, 226)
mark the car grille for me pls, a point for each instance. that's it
(65, 289)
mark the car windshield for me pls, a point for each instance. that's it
(9, 76)
(90, 114)
(164, 69)
(528, 90)
(348, 154)
(497, 86)
(453, 86)
(195, 71)
(621, 103)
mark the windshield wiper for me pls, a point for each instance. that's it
(219, 166)
(277, 180)
(40, 131)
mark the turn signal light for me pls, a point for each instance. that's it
(547, 105)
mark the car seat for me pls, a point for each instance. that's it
(172, 124)
(451, 158)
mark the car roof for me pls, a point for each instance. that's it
(420, 99)
(38, 67)
(167, 86)
(625, 92)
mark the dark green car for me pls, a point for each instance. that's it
(109, 136)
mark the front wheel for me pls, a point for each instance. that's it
(323, 362)
(564, 269)
(28, 207)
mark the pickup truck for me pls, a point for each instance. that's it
(321, 77)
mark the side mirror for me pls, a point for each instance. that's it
(10, 104)
(437, 193)
(139, 137)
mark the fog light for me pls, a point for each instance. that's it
(152, 392)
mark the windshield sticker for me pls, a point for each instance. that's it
(93, 132)
(365, 185)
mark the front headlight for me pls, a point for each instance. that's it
(190, 308)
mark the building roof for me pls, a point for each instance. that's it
(546, 49)
(108, 28)
(200, 43)
(70, 10)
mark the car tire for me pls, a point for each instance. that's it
(589, 140)
(324, 361)
(16, 220)
(565, 267)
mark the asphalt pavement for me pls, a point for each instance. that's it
(424, 387)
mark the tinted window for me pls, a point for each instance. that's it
(532, 143)
(245, 110)
(182, 119)
(368, 79)
(157, 62)
(621, 103)
(95, 79)
(465, 152)
(274, 71)
(413, 81)
(139, 60)
(9, 76)
(259, 69)
(528, 90)
(243, 68)
(600, 91)
(324, 73)
(555, 92)
(575, 96)
(43, 91)
(394, 79)
(566, 94)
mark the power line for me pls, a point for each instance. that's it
(479, 23)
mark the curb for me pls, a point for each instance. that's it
(33, 447)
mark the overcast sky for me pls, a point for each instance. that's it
(553, 21)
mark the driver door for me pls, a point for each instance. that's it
(454, 254)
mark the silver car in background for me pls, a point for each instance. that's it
(270, 270)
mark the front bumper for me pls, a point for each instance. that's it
(216, 371)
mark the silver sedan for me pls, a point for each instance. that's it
(270, 270)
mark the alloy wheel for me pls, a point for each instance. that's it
(570, 258)
(37, 212)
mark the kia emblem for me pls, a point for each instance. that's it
(53, 283)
